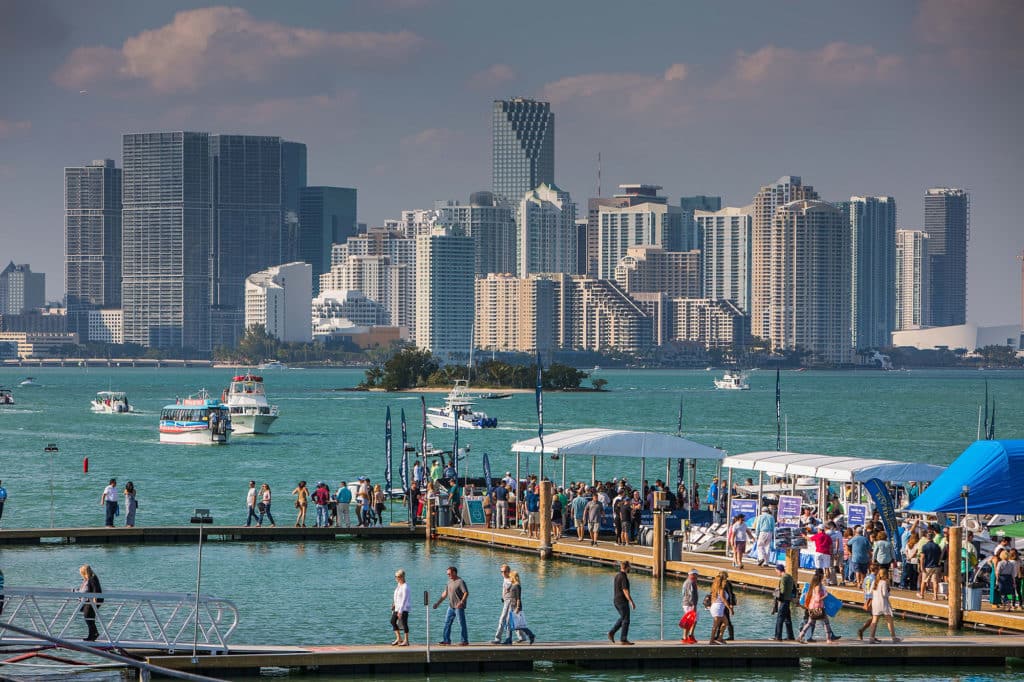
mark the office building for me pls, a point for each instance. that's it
(725, 254)
(693, 238)
(515, 314)
(39, 345)
(646, 219)
(712, 323)
(593, 244)
(327, 216)
(21, 289)
(582, 260)
(763, 243)
(911, 279)
(872, 270)
(92, 241)
(653, 269)
(106, 326)
(522, 148)
(337, 309)
(445, 294)
(279, 299)
(492, 226)
(547, 232)
(35, 321)
(293, 179)
(807, 281)
(947, 222)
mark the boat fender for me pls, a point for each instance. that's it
(972, 525)
(85, 465)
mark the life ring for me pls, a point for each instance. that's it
(972, 525)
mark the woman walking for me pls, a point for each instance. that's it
(718, 607)
(131, 503)
(264, 506)
(378, 504)
(400, 610)
(301, 494)
(815, 606)
(739, 540)
(90, 585)
(882, 552)
(880, 606)
(517, 618)
(1006, 580)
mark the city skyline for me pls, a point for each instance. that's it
(926, 100)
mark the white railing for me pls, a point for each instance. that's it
(158, 620)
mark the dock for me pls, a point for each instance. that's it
(190, 534)
(969, 653)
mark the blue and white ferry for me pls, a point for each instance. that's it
(196, 420)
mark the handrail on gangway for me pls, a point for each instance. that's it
(143, 620)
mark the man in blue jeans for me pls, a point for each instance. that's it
(457, 594)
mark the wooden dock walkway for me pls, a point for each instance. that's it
(752, 577)
(190, 534)
(955, 653)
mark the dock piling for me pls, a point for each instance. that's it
(545, 519)
(956, 603)
(658, 543)
(793, 563)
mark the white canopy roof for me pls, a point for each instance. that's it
(840, 469)
(615, 443)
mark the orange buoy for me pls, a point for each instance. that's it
(85, 465)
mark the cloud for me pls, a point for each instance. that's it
(220, 45)
(430, 139)
(636, 92)
(12, 128)
(676, 72)
(835, 63)
(972, 34)
(499, 73)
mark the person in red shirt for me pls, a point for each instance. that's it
(822, 551)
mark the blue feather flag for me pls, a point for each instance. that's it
(387, 450)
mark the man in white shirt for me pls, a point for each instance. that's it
(109, 501)
(250, 503)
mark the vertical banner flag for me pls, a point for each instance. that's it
(883, 503)
(778, 411)
(423, 437)
(992, 424)
(455, 445)
(540, 406)
(487, 473)
(387, 451)
(403, 470)
(679, 421)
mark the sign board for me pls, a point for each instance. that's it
(789, 511)
(475, 507)
(746, 507)
(856, 515)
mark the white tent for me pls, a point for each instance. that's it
(832, 468)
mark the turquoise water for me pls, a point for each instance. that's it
(338, 592)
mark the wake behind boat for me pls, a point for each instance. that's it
(111, 402)
(733, 381)
(247, 404)
(458, 405)
(196, 420)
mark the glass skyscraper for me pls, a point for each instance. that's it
(293, 179)
(872, 270)
(946, 216)
(327, 215)
(522, 148)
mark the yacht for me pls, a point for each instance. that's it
(458, 405)
(733, 381)
(6, 397)
(272, 364)
(247, 404)
(196, 420)
(111, 402)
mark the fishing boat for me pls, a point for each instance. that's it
(247, 404)
(458, 405)
(6, 397)
(111, 402)
(29, 381)
(196, 420)
(272, 364)
(733, 381)
(493, 395)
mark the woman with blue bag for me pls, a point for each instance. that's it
(517, 619)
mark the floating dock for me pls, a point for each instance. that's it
(182, 534)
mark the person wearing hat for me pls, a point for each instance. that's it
(690, 600)
(764, 531)
(784, 594)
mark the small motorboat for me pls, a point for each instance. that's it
(29, 381)
(6, 396)
(733, 381)
(111, 402)
(272, 364)
(459, 406)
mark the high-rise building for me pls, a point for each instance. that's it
(522, 148)
(872, 270)
(693, 238)
(725, 254)
(594, 205)
(92, 241)
(336, 309)
(947, 222)
(515, 314)
(165, 242)
(492, 226)
(911, 279)
(279, 299)
(645, 219)
(597, 315)
(293, 179)
(582, 238)
(652, 269)
(444, 293)
(714, 323)
(807, 281)
(769, 198)
(327, 215)
(21, 289)
(547, 232)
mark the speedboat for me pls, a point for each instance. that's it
(458, 406)
(493, 395)
(733, 381)
(272, 364)
(247, 404)
(111, 402)
(6, 397)
(29, 381)
(196, 420)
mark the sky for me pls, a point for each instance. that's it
(394, 97)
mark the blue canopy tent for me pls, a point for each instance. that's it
(994, 472)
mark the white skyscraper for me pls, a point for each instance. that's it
(647, 220)
(547, 232)
(726, 254)
(445, 293)
(280, 298)
(911, 279)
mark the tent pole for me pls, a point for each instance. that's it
(563, 472)
(668, 474)
(728, 500)
(760, 490)
(593, 470)
(643, 473)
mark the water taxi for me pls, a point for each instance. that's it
(6, 397)
(196, 420)
(733, 381)
(111, 402)
(247, 404)
(458, 405)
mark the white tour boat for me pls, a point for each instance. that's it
(272, 364)
(733, 381)
(247, 404)
(111, 402)
(196, 420)
(458, 405)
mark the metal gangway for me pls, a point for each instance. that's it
(167, 621)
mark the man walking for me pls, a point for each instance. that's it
(860, 555)
(785, 593)
(931, 558)
(108, 500)
(764, 528)
(344, 497)
(532, 512)
(690, 600)
(623, 602)
(578, 504)
(592, 514)
(457, 595)
(250, 505)
(501, 503)
(506, 608)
